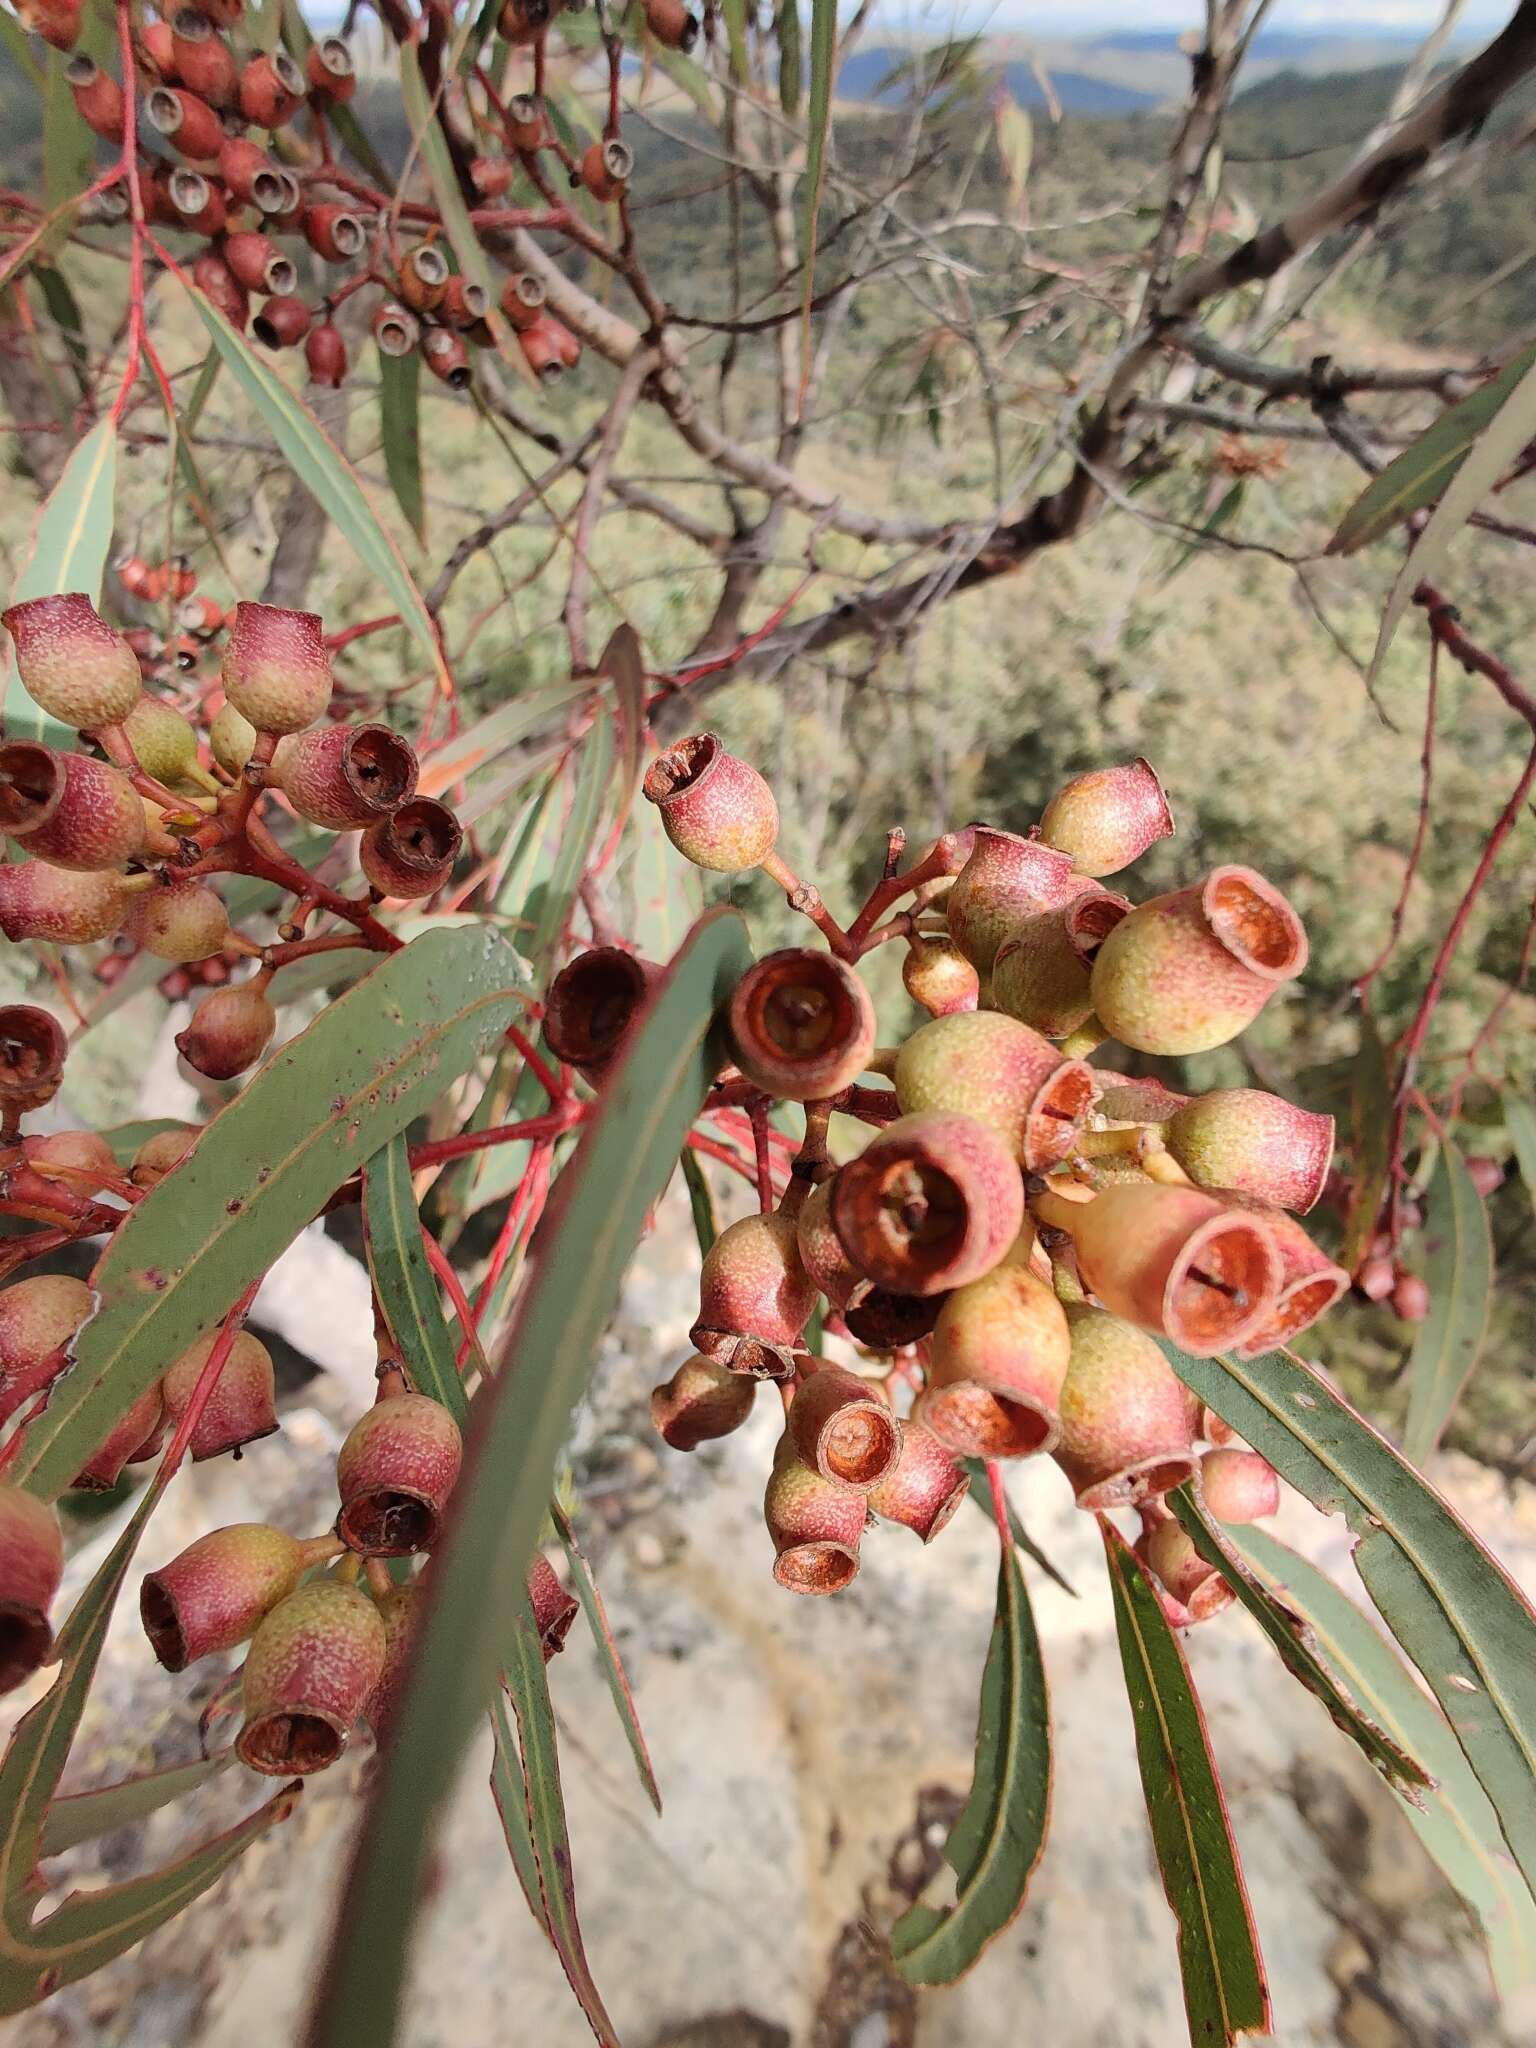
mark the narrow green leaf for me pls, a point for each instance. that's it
(1227, 508)
(509, 1789)
(64, 311)
(624, 665)
(18, 49)
(688, 77)
(735, 12)
(823, 63)
(1520, 1122)
(83, 1816)
(207, 377)
(308, 1118)
(403, 1280)
(399, 397)
(791, 57)
(1370, 1136)
(1225, 1993)
(996, 1842)
(625, 1157)
(981, 1496)
(700, 1200)
(69, 552)
(613, 1664)
(593, 773)
(1459, 1275)
(492, 738)
(69, 154)
(660, 895)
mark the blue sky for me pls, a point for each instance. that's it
(1078, 17)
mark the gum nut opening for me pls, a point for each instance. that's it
(682, 767)
(380, 766)
(1139, 1479)
(802, 1020)
(31, 785)
(388, 1521)
(921, 1220)
(1056, 1114)
(1254, 922)
(1300, 1303)
(816, 1568)
(592, 1004)
(860, 1445)
(283, 1743)
(978, 1423)
(25, 1640)
(1090, 918)
(887, 1321)
(1222, 1283)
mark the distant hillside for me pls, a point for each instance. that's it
(867, 73)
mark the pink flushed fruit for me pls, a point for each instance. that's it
(68, 809)
(33, 1049)
(1127, 1421)
(842, 1427)
(72, 663)
(163, 742)
(934, 1200)
(802, 1024)
(345, 776)
(133, 1430)
(276, 671)
(1215, 1431)
(216, 1592)
(1006, 879)
(924, 1488)
(938, 977)
(1042, 971)
(312, 1667)
(242, 1407)
(717, 810)
(1108, 818)
(158, 1154)
(1238, 1486)
(1175, 1260)
(38, 901)
(591, 1006)
(400, 1610)
(81, 1160)
(755, 1297)
(1004, 1075)
(411, 853)
(395, 1472)
(816, 1525)
(1410, 1298)
(831, 1270)
(1255, 1143)
(31, 1566)
(228, 1031)
(1186, 972)
(998, 1360)
(554, 1609)
(1171, 1556)
(1310, 1284)
(179, 921)
(700, 1403)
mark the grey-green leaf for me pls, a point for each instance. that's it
(1459, 1274)
(400, 425)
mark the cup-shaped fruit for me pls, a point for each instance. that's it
(153, 58)
(525, 122)
(330, 71)
(32, 1054)
(592, 1004)
(31, 1566)
(82, 1160)
(886, 1321)
(395, 331)
(204, 62)
(924, 1487)
(423, 278)
(412, 851)
(816, 1524)
(258, 264)
(334, 232)
(1006, 879)
(821, 1249)
(1107, 818)
(394, 1473)
(159, 1153)
(464, 306)
(249, 174)
(1254, 1143)
(606, 168)
(271, 88)
(38, 1321)
(242, 1407)
(129, 1434)
(346, 776)
(1127, 1420)
(400, 1610)
(312, 1666)
(1310, 1283)
(98, 96)
(1042, 970)
(199, 205)
(325, 356)
(188, 123)
(231, 737)
(670, 23)
(549, 347)
(228, 1031)
(802, 1024)
(180, 921)
(68, 809)
(216, 281)
(997, 1362)
(1004, 1075)
(1171, 1556)
(163, 742)
(1238, 1485)
(933, 1200)
(71, 662)
(276, 671)
(554, 1609)
(216, 1592)
(843, 1427)
(522, 298)
(701, 1401)
(38, 901)
(1188, 971)
(718, 811)
(755, 1297)
(282, 322)
(447, 357)
(937, 975)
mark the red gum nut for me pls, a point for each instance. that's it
(257, 264)
(554, 1609)
(216, 1592)
(400, 1612)
(423, 278)
(218, 283)
(395, 331)
(271, 89)
(1004, 1075)
(248, 172)
(33, 1050)
(549, 347)
(606, 168)
(933, 1201)
(1187, 972)
(1126, 1418)
(937, 975)
(98, 96)
(240, 1410)
(31, 1566)
(1201, 1272)
(199, 205)
(329, 68)
(276, 671)
(592, 1004)
(924, 1488)
(1254, 1143)
(411, 852)
(464, 304)
(154, 48)
(345, 776)
(71, 662)
(129, 1435)
(1238, 1486)
(394, 1474)
(447, 356)
(325, 356)
(1173, 1560)
(1041, 974)
(68, 809)
(56, 21)
(998, 1360)
(717, 810)
(1310, 1283)
(755, 1297)
(180, 922)
(816, 1525)
(282, 322)
(840, 1425)
(334, 232)
(525, 122)
(228, 1032)
(701, 1401)
(1107, 818)
(203, 60)
(1006, 879)
(159, 1154)
(802, 1024)
(312, 1667)
(42, 902)
(831, 1270)
(522, 299)
(188, 123)
(82, 1160)
(670, 23)
(38, 1320)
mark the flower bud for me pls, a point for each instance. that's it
(1187, 972)
(447, 357)
(718, 812)
(330, 71)
(802, 1024)
(216, 1592)
(549, 347)
(606, 169)
(276, 670)
(1171, 1556)
(1005, 880)
(1004, 1075)
(334, 232)
(937, 975)
(815, 1523)
(259, 265)
(82, 1160)
(394, 1474)
(701, 1401)
(925, 1486)
(71, 662)
(271, 88)
(31, 1566)
(32, 1054)
(411, 852)
(522, 298)
(671, 24)
(592, 1005)
(842, 1426)
(755, 1297)
(38, 1322)
(400, 1610)
(1238, 1486)
(1254, 1143)
(1106, 819)
(1310, 1283)
(312, 1667)
(179, 921)
(1127, 1421)
(231, 738)
(554, 1609)
(1042, 971)
(159, 1154)
(395, 331)
(129, 1435)
(831, 1270)
(42, 902)
(933, 1200)
(997, 1363)
(345, 776)
(68, 809)
(98, 96)
(282, 322)
(163, 742)
(242, 1407)
(228, 1031)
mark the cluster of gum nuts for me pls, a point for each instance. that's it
(1021, 1228)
